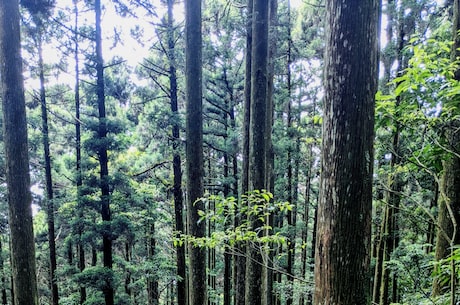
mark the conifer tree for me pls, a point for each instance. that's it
(17, 157)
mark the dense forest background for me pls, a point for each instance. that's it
(107, 95)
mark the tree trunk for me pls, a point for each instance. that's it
(240, 259)
(79, 178)
(103, 157)
(48, 177)
(17, 157)
(194, 150)
(257, 161)
(177, 170)
(313, 252)
(2, 271)
(306, 297)
(345, 205)
(152, 282)
(290, 185)
(267, 273)
(128, 272)
(449, 203)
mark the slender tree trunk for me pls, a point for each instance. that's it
(268, 273)
(79, 178)
(290, 185)
(344, 228)
(177, 170)
(388, 240)
(128, 273)
(48, 178)
(306, 217)
(304, 233)
(240, 259)
(152, 282)
(431, 231)
(3, 277)
(310, 293)
(226, 193)
(103, 157)
(194, 150)
(17, 157)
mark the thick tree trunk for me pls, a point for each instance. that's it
(103, 156)
(194, 150)
(48, 178)
(345, 205)
(257, 160)
(17, 158)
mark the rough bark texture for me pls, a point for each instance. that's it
(103, 157)
(17, 158)
(194, 150)
(345, 205)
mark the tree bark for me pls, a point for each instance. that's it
(194, 150)
(240, 259)
(103, 157)
(48, 177)
(177, 170)
(345, 205)
(17, 157)
(257, 161)
(267, 272)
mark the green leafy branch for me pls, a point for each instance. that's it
(258, 204)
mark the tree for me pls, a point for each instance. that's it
(257, 143)
(194, 150)
(48, 178)
(78, 159)
(448, 235)
(17, 158)
(103, 157)
(345, 205)
(177, 170)
(240, 260)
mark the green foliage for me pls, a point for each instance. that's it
(96, 277)
(256, 204)
(443, 268)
